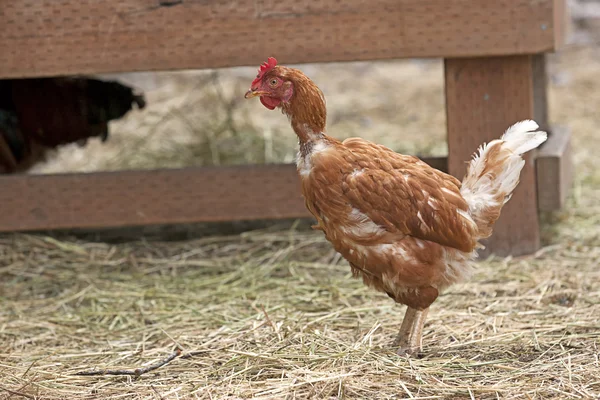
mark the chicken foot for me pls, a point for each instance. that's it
(409, 338)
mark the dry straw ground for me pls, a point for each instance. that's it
(274, 313)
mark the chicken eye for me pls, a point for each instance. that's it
(273, 82)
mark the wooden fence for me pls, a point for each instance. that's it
(494, 72)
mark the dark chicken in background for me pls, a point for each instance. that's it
(44, 113)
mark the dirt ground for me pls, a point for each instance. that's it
(275, 314)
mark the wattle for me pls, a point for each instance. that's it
(269, 102)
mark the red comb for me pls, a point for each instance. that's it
(264, 68)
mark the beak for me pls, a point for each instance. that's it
(254, 93)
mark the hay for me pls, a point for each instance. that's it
(276, 314)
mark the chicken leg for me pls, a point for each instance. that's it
(409, 338)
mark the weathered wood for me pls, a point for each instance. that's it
(152, 197)
(64, 37)
(554, 169)
(554, 164)
(484, 96)
(562, 22)
(540, 91)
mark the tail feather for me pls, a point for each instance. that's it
(523, 137)
(494, 172)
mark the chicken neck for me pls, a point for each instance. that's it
(307, 112)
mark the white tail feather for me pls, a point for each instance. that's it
(523, 137)
(494, 172)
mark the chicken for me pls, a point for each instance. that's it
(43, 113)
(407, 229)
(17, 153)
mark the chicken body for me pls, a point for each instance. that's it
(401, 224)
(407, 229)
(43, 113)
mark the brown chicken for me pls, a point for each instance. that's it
(43, 113)
(407, 229)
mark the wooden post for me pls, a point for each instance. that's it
(484, 96)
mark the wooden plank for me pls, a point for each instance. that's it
(484, 96)
(562, 22)
(554, 169)
(540, 91)
(554, 164)
(65, 37)
(153, 197)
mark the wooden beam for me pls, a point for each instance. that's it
(153, 197)
(540, 91)
(131, 198)
(484, 96)
(66, 37)
(554, 169)
(562, 22)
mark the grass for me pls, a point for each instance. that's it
(275, 313)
